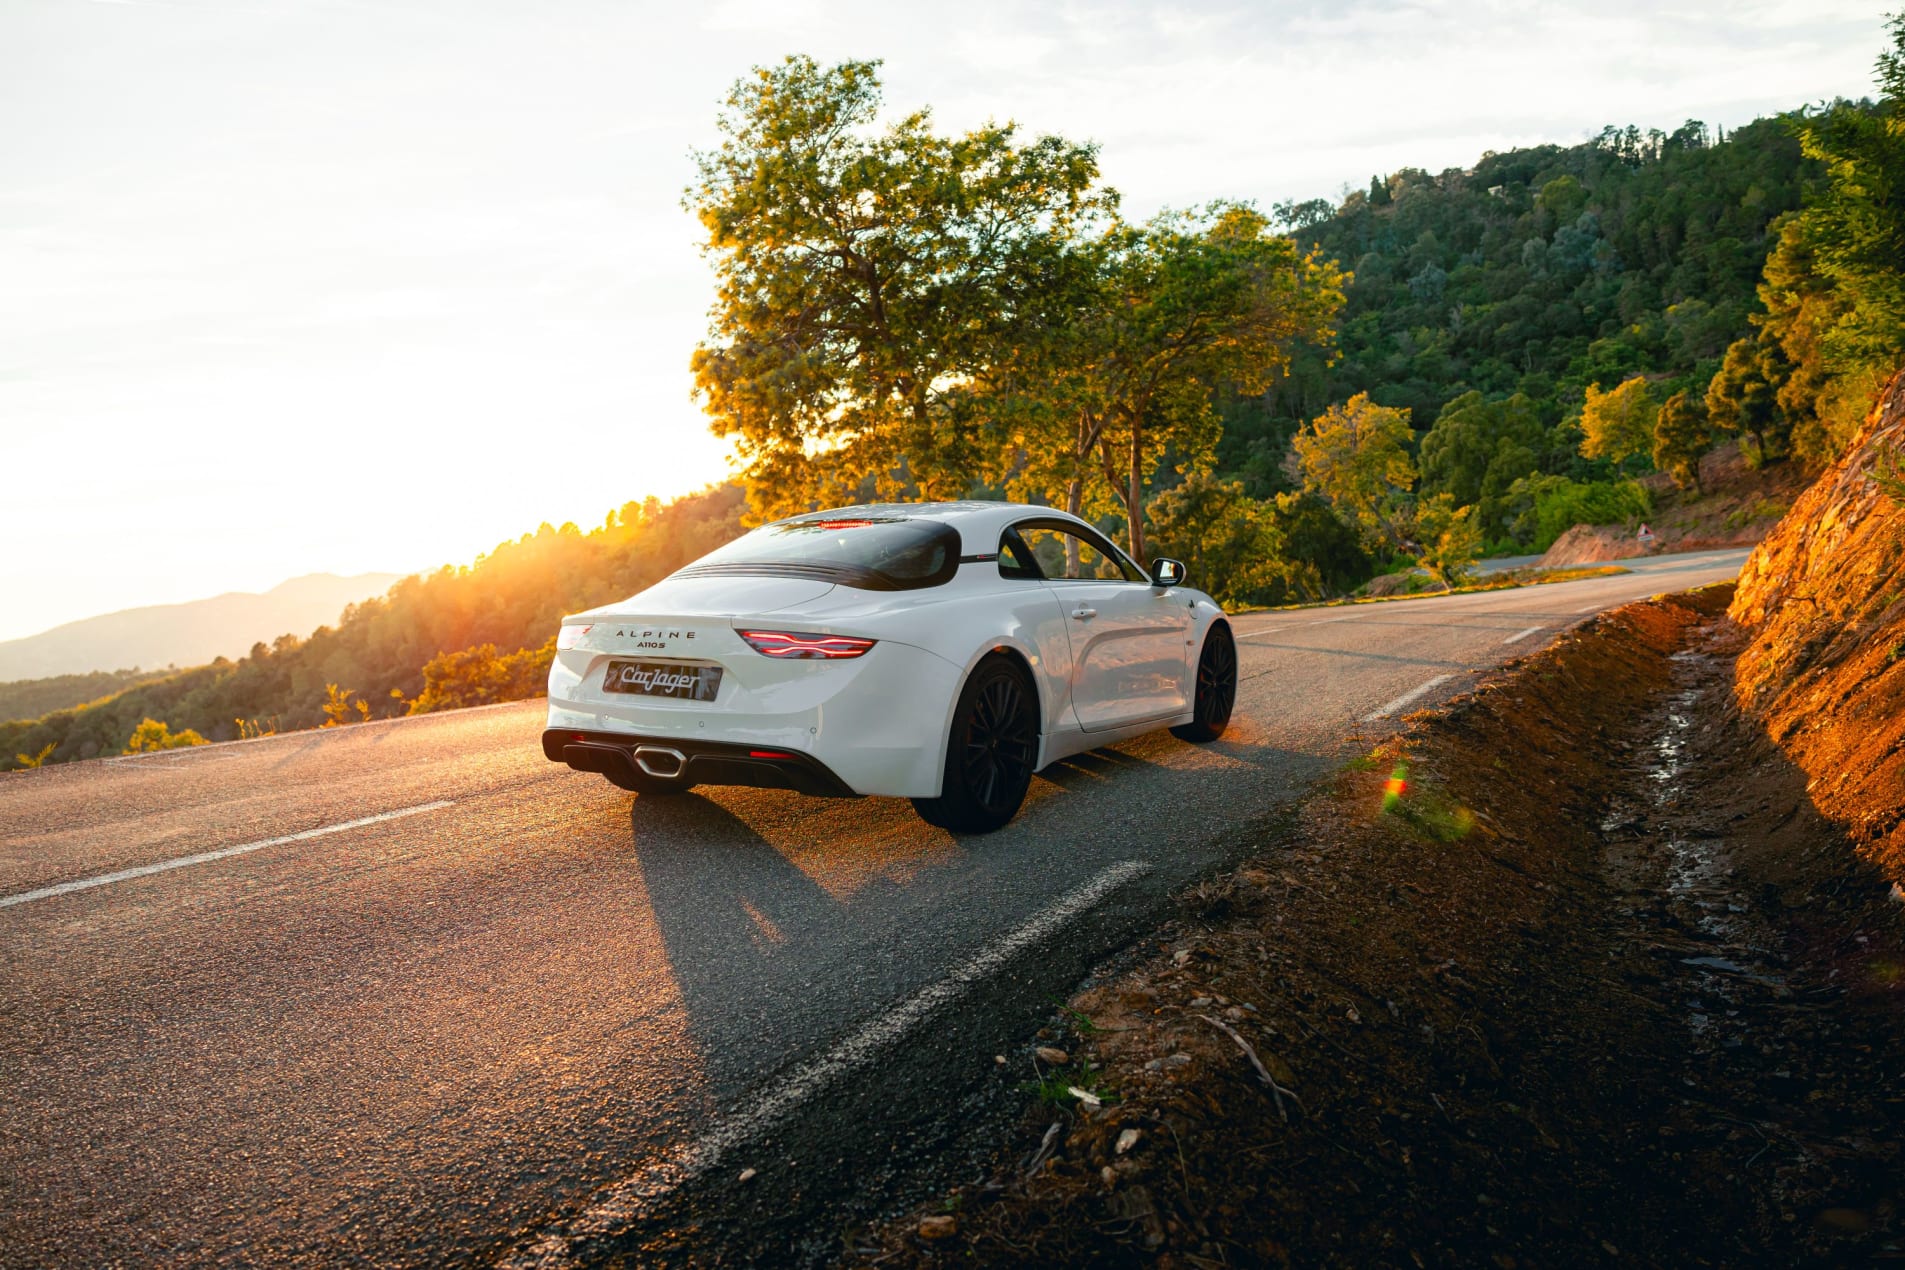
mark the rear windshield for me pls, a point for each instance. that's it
(874, 553)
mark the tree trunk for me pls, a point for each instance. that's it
(1134, 496)
(1075, 504)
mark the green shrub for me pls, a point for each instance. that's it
(1551, 505)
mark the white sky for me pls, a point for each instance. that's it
(347, 285)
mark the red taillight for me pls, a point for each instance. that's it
(791, 645)
(769, 754)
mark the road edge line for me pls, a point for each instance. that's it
(1406, 698)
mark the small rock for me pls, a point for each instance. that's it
(999, 1059)
(940, 1227)
(1610, 1249)
(1181, 956)
(1352, 1015)
(1110, 1178)
(1053, 1055)
(1234, 1014)
(748, 1175)
(1084, 1095)
(1198, 1003)
(1127, 1140)
(1177, 1060)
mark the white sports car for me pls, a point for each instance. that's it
(942, 652)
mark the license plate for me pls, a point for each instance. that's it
(663, 679)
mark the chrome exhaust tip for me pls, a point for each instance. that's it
(660, 761)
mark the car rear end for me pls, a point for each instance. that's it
(724, 675)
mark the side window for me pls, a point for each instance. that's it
(1015, 559)
(1062, 555)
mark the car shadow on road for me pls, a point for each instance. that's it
(742, 923)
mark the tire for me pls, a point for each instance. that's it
(1216, 687)
(989, 753)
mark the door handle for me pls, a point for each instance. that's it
(1084, 612)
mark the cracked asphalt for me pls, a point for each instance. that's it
(550, 1022)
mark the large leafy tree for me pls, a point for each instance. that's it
(1478, 449)
(1834, 285)
(1356, 456)
(1618, 423)
(1743, 397)
(1681, 436)
(1158, 318)
(864, 274)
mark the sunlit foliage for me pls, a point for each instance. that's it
(149, 736)
(1356, 457)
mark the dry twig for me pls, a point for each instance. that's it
(1044, 1148)
(1277, 1091)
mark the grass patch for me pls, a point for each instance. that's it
(1055, 1087)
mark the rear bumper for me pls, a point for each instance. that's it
(700, 762)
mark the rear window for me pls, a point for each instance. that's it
(874, 553)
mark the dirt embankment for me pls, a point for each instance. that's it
(1824, 602)
(1581, 970)
(1735, 507)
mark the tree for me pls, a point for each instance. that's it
(864, 274)
(1450, 538)
(151, 735)
(1834, 286)
(1478, 449)
(1618, 424)
(1681, 436)
(1743, 397)
(1356, 456)
(1161, 316)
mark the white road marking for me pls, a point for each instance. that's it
(621, 1202)
(1598, 604)
(206, 857)
(1262, 630)
(1406, 698)
(1521, 635)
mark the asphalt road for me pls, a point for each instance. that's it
(434, 999)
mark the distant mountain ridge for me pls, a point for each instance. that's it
(188, 634)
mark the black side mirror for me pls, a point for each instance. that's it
(1166, 571)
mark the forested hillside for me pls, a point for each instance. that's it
(1538, 272)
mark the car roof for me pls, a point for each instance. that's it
(977, 516)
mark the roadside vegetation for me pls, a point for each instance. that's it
(1294, 400)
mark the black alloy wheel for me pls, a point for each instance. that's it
(990, 754)
(1216, 687)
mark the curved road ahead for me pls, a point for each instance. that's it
(407, 993)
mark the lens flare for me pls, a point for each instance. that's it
(1395, 787)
